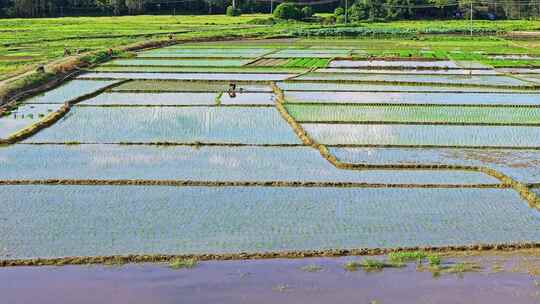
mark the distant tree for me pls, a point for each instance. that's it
(307, 12)
(287, 11)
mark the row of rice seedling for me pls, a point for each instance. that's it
(457, 80)
(394, 64)
(104, 220)
(521, 165)
(179, 62)
(409, 71)
(306, 53)
(307, 86)
(188, 86)
(307, 62)
(189, 76)
(269, 62)
(171, 124)
(24, 116)
(447, 98)
(204, 163)
(413, 114)
(424, 135)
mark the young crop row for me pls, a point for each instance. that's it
(307, 63)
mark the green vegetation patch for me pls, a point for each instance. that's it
(414, 114)
(186, 86)
(307, 63)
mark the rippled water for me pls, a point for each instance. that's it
(103, 220)
(184, 125)
(500, 136)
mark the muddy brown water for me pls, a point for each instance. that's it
(272, 281)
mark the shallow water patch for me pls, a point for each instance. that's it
(248, 99)
(521, 165)
(189, 76)
(364, 87)
(463, 136)
(24, 116)
(442, 79)
(69, 91)
(179, 62)
(167, 99)
(204, 163)
(159, 124)
(413, 98)
(102, 220)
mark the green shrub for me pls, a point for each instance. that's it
(307, 12)
(328, 20)
(287, 11)
(233, 12)
(339, 11)
(340, 19)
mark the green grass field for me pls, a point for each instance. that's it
(24, 43)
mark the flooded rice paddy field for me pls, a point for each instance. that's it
(193, 149)
(424, 135)
(56, 221)
(522, 165)
(428, 98)
(500, 280)
(23, 116)
(205, 163)
(414, 114)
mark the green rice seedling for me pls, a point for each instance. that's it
(311, 268)
(462, 267)
(434, 260)
(373, 265)
(179, 263)
(352, 265)
(402, 257)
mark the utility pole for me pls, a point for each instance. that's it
(346, 10)
(234, 4)
(471, 17)
(271, 6)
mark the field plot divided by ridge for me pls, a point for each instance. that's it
(205, 163)
(445, 98)
(104, 220)
(259, 146)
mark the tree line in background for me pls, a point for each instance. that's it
(357, 9)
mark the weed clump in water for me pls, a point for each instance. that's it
(182, 263)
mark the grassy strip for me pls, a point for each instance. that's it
(524, 191)
(159, 258)
(191, 183)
